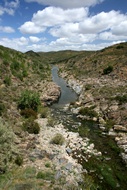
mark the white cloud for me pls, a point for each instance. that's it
(30, 28)
(120, 28)
(15, 43)
(12, 4)
(52, 16)
(68, 3)
(109, 36)
(101, 21)
(9, 7)
(34, 39)
(66, 30)
(24, 44)
(6, 29)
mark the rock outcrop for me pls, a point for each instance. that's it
(50, 93)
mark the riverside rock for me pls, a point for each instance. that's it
(51, 93)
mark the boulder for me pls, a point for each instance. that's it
(120, 128)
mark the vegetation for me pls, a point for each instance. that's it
(20, 71)
(58, 139)
(29, 99)
(31, 126)
(28, 112)
(108, 70)
(121, 99)
(19, 160)
(45, 175)
(89, 111)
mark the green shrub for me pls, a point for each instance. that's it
(24, 73)
(28, 112)
(58, 139)
(2, 108)
(43, 111)
(45, 175)
(29, 99)
(31, 126)
(19, 160)
(88, 111)
(109, 124)
(88, 86)
(120, 47)
(121, 99)
(15, 66)
(108, 70)
(47, 165)
(7, 80)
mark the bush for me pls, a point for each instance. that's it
(58, 139)
(2, 108)
(7, 80)
(45, 175)
(29, 99)
(88, 111)
(28, 112)
(31, 126)
(19, 160)
(108, 70)
(109, 124)
(120, 47)
(43, 111)
(121, 99)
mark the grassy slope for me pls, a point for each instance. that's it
(93, 63)
(18, 72)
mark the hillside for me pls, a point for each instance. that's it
(28, 159)
(101, 81)
(94, 63)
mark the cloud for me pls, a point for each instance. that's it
(12, 4)
(67, 4)
(120, 28)
(6, 29)
(52, 16)
(9, 7)
(25, 44)
(100, 22)
(15, 43)
(34, 39)
(109, 36)
(30, 28)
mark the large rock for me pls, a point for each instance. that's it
(120, 128)
(51, 93)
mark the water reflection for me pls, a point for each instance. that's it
(67, 94)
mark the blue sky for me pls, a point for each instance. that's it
(53, 25)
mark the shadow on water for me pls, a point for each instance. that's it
(108, 171)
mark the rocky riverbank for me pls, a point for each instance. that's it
(100, 99)
(56, 158)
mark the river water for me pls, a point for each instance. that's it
(109, 172)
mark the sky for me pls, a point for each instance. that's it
(53, 25)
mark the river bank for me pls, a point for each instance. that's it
(100, 99)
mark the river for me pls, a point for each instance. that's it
(108, 172)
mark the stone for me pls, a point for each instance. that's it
(102, 121)
(120, 128)
(68, 166)
(68, 150)
(58, 175)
